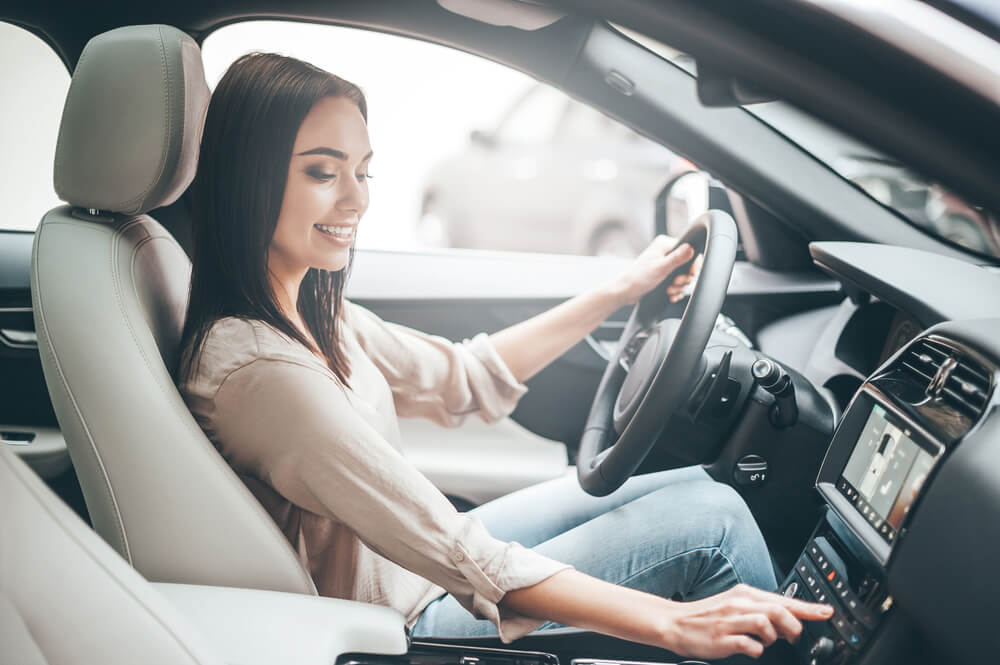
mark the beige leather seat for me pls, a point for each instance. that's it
(66, 597)
(109, 288)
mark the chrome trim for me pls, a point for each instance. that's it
(16, 338)
(944, 371)
(19, 339)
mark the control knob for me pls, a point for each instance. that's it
(822, 651)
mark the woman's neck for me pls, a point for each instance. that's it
(286, 291)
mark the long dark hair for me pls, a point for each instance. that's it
(253, 119)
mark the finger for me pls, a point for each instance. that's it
(799, 608)
(681, 254)
(747, 646)
(757, 623)
(788, 627)
(681, 280)
(664, 242)
(672, 261)
(811, 611)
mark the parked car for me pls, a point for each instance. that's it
(553, 176)
(925, 203)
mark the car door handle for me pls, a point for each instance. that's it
(19, 339)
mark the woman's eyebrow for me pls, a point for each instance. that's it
(336, 154)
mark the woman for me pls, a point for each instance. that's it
(300, 390)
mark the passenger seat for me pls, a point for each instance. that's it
(67, 597)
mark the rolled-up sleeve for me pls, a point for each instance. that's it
(296, 428)
(433, 377)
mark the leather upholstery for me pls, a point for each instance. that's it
(109, 294)
(65, 597)
(134, 161)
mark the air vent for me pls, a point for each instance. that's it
(967, 387)
(923, 360)
(966, 384)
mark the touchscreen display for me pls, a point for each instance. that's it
(885, 472)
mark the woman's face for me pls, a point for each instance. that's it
(326, 192)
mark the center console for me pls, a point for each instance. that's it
(891, 440)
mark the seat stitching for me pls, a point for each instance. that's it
(50, 349)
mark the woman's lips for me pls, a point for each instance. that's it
(340, 239)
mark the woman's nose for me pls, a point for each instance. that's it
(353, 195)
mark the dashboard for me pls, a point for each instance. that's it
(910, 481)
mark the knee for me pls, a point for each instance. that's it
(740, 539)
(723, 505)
(724, 509)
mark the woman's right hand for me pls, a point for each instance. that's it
(741, 620)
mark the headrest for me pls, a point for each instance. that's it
(131, 127)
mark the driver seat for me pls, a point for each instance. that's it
(109, 288)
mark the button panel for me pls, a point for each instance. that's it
(817, 577)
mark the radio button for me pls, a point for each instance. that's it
(853, 634)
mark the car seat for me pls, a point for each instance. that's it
(66, 597)
(109, 289)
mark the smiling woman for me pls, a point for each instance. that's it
(300, 389)
(254, 245)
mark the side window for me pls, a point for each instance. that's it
(534, 118)
(469, 153)
(33, 86)
(583, 123)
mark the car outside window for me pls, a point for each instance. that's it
(471, 154)
(535, 118)
(33, 87)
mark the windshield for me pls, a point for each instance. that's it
(920, 201)
(924, 203)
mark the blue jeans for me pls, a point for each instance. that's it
(677, 534)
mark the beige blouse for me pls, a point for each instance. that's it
(326, 461)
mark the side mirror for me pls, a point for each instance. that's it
(683, 198)
(484, 139)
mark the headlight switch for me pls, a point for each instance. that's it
(751, 471)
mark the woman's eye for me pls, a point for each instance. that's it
(364, 176)
(321, 175)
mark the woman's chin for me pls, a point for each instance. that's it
(333, 261)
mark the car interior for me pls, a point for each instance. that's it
(835, 363)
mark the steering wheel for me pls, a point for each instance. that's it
(656, 363)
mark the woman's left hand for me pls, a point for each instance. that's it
(652, 266)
